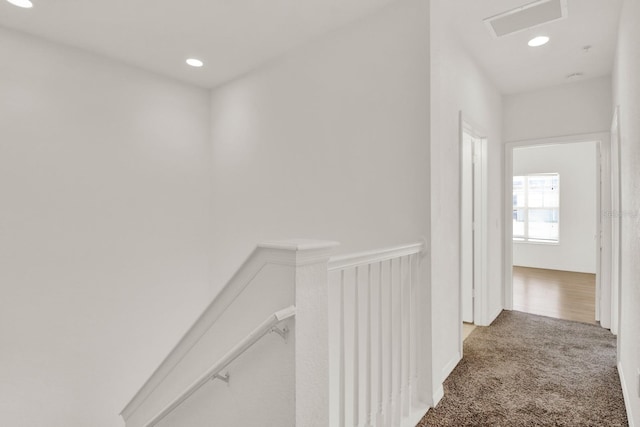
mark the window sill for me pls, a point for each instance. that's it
(536, 242)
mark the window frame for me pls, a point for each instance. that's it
(525, 237)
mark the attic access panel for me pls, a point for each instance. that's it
(525, 17)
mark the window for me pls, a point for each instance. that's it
(536, 208)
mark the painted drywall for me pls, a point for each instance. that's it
(104, 230)
(576, 164)
(570, 109)
(626, 83)
(330, 142)
(458, 84)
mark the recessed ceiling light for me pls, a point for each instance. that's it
(195, 62)
(538, 41)
(21, 3)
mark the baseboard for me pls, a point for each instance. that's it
(625, 394)
(494, 315)
(438, 394)
(415, 416)
(450, 366)
(489, 319)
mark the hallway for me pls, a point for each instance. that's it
(148, 152)
(528, 370)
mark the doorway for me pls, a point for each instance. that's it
(552, 251)
(473, 214)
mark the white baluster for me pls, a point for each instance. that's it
(379, 420)
(368, 369)
(407, 317)
(385, 396)
(401, 344)
(414, 328)
(356, 355)
(342, 373)
(398, 348)
(389, 416)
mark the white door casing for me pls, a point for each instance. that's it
(473, 227)
(466, 227)
(616, 217)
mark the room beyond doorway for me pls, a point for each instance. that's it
(561, 294)
(556, 229)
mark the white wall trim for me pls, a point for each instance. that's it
(438, 394)
(342, 262)
(615, 206)
(450, 366)
(507, 245)
(417, 414)
(625, 394)
(494, 315)
(560, 139)
(480, 249)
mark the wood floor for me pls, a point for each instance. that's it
(467, 328)
(560, 294)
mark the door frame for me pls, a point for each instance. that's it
(480, 207)
(616, 219)
(602, 140)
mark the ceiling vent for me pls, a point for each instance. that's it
(525, 17)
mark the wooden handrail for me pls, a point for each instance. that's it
(269, 325)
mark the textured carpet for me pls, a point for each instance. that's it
(528, 370)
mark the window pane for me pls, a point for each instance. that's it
(543, 224)
(552, 193)
(518, 191)
(543, 190)
(536, 201)
(518, 222)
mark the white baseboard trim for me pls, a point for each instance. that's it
(625, 394)
(494, 316)
(438, 394)
(450, 366)
(416, 415)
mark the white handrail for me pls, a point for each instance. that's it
(213, 372)
(342, 262)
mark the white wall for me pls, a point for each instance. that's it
(627, 96)
(104, 236)
(576, 164)
(330, 142)
(569, 109)
(458, 84)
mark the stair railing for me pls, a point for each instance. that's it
(376, 346)
(215, 372)
(354, 334)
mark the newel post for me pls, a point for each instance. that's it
(309, 259)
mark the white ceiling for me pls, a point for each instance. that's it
(514, 66)
(230, 36)
(236, 36)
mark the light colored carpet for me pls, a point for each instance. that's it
(528, 370)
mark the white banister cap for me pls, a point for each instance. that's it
(299, 244)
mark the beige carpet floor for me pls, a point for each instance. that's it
(529, 370)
